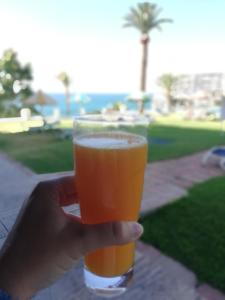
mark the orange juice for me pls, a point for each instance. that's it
(110, 174)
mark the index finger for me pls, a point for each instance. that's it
(67, 191)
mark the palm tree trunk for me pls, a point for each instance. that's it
(67, 100)
(144, 64)
(169, 100)
(169, 103)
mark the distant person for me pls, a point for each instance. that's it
(45, 242)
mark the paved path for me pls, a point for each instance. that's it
(157, 277)
(166, 181)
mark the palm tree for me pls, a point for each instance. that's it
(64, 78)
(167, 82)
(144, 17)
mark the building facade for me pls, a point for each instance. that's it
(206, 85)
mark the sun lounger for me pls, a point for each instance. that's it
(216, 154)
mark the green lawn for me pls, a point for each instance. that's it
(183, 141)
(186, 137)
(192, 230)
(45, 152)
(41, 152)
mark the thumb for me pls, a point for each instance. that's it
(107, 234)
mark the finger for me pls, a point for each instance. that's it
(107, 234)
(66, 187)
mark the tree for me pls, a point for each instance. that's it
(167, 82)
(15, 79)
(144, 17)
(64, 78)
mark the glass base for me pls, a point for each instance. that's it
(107, 286)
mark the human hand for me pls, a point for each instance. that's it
(45, 242)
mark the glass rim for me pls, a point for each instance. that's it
(112, 119)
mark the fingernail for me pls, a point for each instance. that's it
(137, 230)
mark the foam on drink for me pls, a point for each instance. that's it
(112, 140)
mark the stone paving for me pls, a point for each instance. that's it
(157, 277)
(166, 181)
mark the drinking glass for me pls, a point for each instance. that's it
(110, 156)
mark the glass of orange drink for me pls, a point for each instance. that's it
(110, 156)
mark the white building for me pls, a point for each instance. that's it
(207, 85)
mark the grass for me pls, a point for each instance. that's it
(185, 138)
(45, 152)
(192, 230)
(41, 152)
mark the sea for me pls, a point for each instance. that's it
(88, 102)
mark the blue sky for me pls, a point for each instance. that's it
(86, 39)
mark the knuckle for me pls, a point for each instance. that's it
(43, 187)
(40, 187)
